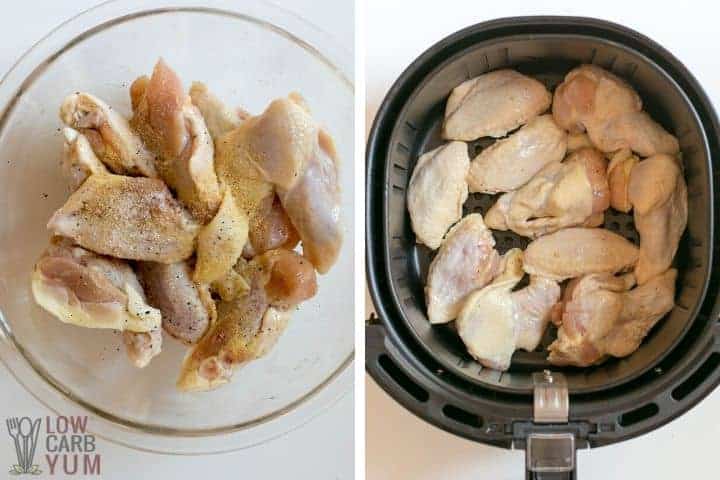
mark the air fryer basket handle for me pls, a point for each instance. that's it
(551, 476)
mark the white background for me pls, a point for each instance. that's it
(401, 446)
(322, 449)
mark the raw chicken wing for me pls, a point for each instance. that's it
(601, 317)
(250, 325)
(619, 170)
(174, 129)
(437, 190)
(590, 96)
(495, 321)
(493, 104)
(109, 134)
(571, 193)
(636, 131)
(218, 118)
(466, 261)
(658, 194)
(220, 243)
(79, 160)
(170, 288)
(85, 289)
(509, 163)
(133, 218)
(573, 252)
(288, 149)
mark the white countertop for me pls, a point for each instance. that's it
(322, 449)
(400, 445)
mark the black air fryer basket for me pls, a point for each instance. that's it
(427, 369)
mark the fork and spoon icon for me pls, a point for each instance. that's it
(25, 433)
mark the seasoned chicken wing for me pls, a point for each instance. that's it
(250, 325)
(436, 192)
(85, 289)
(79, 160)
(220, 242)
(509, 163)
(658, 194)
(493, 104)
(218, 118)
(287, 148)
(109, 134)
(466, 261)
(495, 320)
(572, 193)
(169, 287)
(573, 252)
(602, 317)
(127, 217)
(174, 129)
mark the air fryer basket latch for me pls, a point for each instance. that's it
(550, 396)
(550, 454)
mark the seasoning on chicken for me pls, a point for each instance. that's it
(658, 195)
(437, 190)
(220, 243)
(495, 320)
(173, 128)
(572, 193)
(109, 134)
(509, 163)
(493, 104)
(602, 317)
(169, 287)
(466, 261)
(574, 252)
(250, 325)
(132, 218)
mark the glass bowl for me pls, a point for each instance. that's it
(248, 53)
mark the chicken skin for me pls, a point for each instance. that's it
(109, 134)
(493, 104)
(436, 192)
(495, 321)
(574, 252)
(466, 261)
(509, 163)
(658, 194)
(132, 218)
(173, 128)
(572, 193)
(602, 317)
